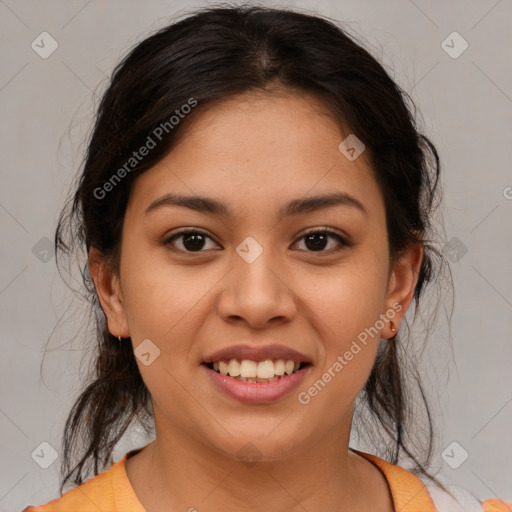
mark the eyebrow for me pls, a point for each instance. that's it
(298, 206)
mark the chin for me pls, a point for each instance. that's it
(263, 445)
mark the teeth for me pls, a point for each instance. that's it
(248, 368)
(234, 368)
(279, 367)
(265, 369)
(288, 367)
(253, 371)
(257, 379)
(223, 367)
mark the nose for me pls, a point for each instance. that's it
(258, 293)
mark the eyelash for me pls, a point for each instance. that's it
(343, 241)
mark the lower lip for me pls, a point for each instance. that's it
(257, 392)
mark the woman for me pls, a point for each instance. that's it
(256, 206)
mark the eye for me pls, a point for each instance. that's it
(317, 239)
(193, 240)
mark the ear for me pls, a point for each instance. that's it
(401, 286)
(109, 293)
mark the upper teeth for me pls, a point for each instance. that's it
(262, 369)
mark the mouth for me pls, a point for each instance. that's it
(256, 382)
(250, 371)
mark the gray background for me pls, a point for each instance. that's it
(46, 108)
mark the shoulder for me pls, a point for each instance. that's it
(459, 499)
(94, 494)
(497, 506)
(411, 494)
(109, 490)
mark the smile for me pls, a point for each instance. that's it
(247, 370)
(256, 390)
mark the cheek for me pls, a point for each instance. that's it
(345, 306)
(346, 299)
(162, 299)
(167, 304)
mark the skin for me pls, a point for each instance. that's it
(255, 153)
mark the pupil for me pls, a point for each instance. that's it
(316, 245)
(197, 241)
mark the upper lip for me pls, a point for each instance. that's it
(259, 353)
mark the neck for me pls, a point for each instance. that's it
(179, 472)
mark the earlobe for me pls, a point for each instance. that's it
(109, 293)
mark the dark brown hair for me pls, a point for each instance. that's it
(216, 53)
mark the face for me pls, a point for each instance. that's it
(257, 276)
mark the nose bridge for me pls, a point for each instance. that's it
(257, 292)
(256, 268)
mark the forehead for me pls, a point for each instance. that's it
(260, 149)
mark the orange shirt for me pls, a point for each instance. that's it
(111, 491)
